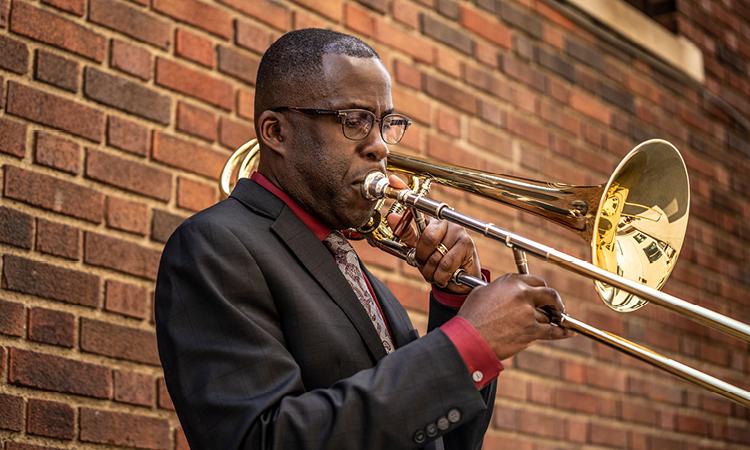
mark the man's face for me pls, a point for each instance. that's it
(328, 166)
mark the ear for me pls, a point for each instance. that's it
(273, 131)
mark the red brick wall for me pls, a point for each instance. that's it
(116, 117)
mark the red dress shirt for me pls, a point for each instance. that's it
(480, 360)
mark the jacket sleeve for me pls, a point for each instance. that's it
(469, 435)
(235, 385)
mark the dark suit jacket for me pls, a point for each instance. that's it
(265, 346)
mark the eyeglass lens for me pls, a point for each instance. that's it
(357, 125)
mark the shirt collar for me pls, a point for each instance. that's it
(318, 228)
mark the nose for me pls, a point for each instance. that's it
(375, 147)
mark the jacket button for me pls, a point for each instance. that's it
(477, 376)
(443, 424)
(432, 430)
(419, 437)
(454, 415)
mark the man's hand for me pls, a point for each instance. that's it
(508, 313)
(442, 249)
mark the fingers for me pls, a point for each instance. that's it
(396, 182)
(444, 248)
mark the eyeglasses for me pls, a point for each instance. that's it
(356, 124)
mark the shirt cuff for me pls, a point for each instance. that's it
(478, 357)
(446, 298)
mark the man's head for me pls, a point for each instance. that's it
(307, 153)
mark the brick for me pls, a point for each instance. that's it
(119, 342)
(131, 59)
(56, 70)
(449, 123)
(410, 43)
(195, 48)
(15, 55)
(407, 74)
(48, 281)
(245, 104)
(115, 428)
(590, 106)
(16, 228)
(449, 94)
(163, 225)
(405, 12)
(331, 8)
(448, 8)
(584, 53)
(193, 83)
(129, 175)
(445, 34)
(202, 15)
(529, 421)
(605, 435)
(57, 153)
(181, 442)
(53, 194)
(12, 137)
(52, 327)
(4, 4)
(522, 72)
(130, 21)
(267, 11)
(12, 319)
(17, 446)
(187, 155)
(49, 28)
(488, 139)
(134, 388)
(555, 63)
(57, 239)
(75, 7)
(537, 363)
(52, 373)
(164, 400)
(120, 255)
(237, 64)
(194, 195)
(486, 27)
(492, 114)
(233, 134)
(54, 111)
(521, 19)
(253, 38)
(127, 96)
(196, 121)
(360, 20)
(50, 419)
(11, 412)
(126, 215)
(128, 136)
(528, 130)
(127, 299)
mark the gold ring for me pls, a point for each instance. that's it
(442, 249)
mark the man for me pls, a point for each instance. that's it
(271, 334)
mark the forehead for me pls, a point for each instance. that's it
(353, 81)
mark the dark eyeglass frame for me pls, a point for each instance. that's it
(341, 115)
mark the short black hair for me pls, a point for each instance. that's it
(293, 64)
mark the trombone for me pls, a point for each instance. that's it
(635, 224)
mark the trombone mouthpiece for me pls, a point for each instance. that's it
(373, 188)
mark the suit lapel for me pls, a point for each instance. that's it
(318, 261)
(395, 315)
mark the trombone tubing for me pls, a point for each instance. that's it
(558, 258)
(644, 354)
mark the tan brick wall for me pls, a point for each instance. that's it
(116, 117)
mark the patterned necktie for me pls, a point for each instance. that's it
(348, 263)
